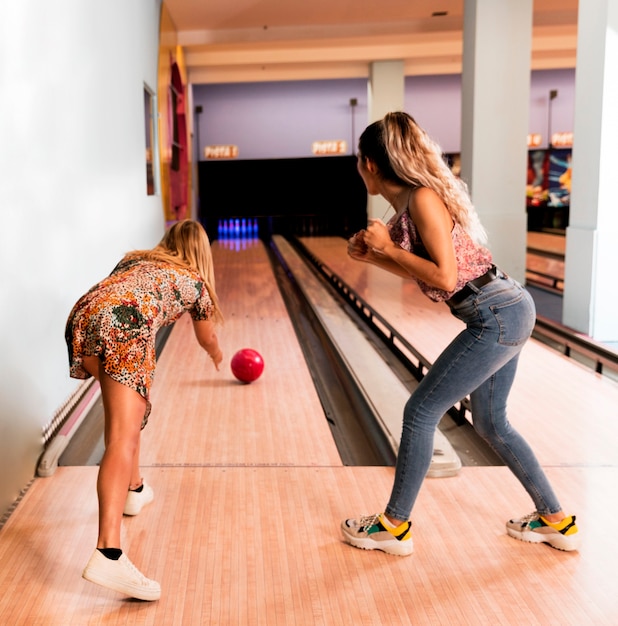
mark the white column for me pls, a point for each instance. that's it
(590, 289)
(495, 109)
(386, 90)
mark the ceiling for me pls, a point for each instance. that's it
(257, 40)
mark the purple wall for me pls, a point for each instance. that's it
(283, 119)
(435, 103)
(279, 120)
(562, 106)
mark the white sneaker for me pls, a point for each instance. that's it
(137, 500)
(121, 576)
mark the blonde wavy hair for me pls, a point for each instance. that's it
(185, 244)
(405, 154)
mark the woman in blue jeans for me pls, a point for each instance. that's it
(435, 238)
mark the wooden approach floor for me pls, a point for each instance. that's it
(545, 259)
(250, 492)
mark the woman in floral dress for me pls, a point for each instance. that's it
(111, 335)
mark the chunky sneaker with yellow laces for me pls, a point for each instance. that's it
(375, 532)
(122, 576)
(137, 500)
(534, 528)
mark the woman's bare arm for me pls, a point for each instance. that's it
(207, 338)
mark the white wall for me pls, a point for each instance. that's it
(72, 191)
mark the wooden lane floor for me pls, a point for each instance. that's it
(545, 260)
(249, 535)
(204, 417)
(565, 410)
(261, 546)
(384, 390)
(547, 244)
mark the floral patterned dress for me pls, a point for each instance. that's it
(117, 320)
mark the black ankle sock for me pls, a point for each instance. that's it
(111, 553)
(139, 489)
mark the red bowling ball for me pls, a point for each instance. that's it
(247, 365)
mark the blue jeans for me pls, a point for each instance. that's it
(481, 361)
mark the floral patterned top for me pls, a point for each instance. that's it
(117, 320)
(473, 260)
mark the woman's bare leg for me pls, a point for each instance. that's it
(124, 410)
(136, 472)
(93, 366)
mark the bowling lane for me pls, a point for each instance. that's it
(204, 417)
(428, 326)
(211, 573)
(464, 569)
(547, 244)
(545, 260)
(565, 410)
